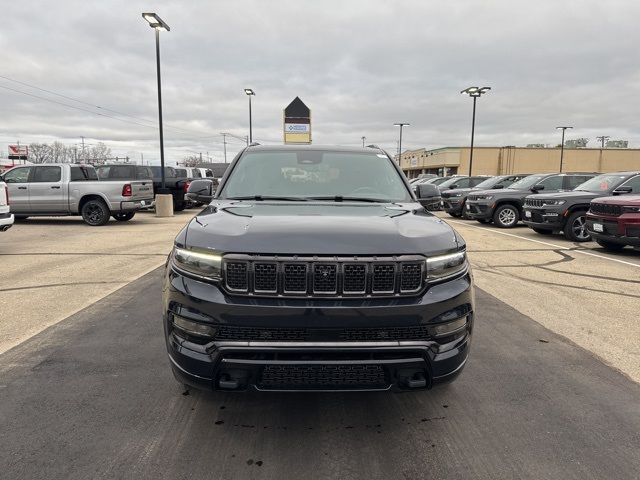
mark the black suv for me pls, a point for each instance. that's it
(315, 268)
(567, 211)
(454, 200)
(504, 206)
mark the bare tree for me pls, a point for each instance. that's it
(191, 161)
(99, 153)
(39, 153)
(58, 152)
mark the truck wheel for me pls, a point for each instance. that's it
(123, 216)
(506, 216)
(95, 213)
(575, 229)
(179, 206)
(542, 231)
(463, 212)
(614, 247)
(454, 215)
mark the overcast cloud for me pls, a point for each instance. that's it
(359, 65)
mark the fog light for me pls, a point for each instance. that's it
(449, 327)
(193, 328)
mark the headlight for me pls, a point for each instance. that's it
(630, 209)
(484, 197)
(201, 263)
(444, 266)
(456, 195)
(554, 202)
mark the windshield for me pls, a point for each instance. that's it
(447, 182)
(489, 183)
(313, 173)
(602, 183)
(527, 182)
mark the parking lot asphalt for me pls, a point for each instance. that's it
(93, 397)
(54, 266)
(575, 289)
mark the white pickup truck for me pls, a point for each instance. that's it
(55, 189)
(6, 217)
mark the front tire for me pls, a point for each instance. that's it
(95, 213)
(123, 216)
(612, 247)
(179, 206)
(575, 229)
(506, 216)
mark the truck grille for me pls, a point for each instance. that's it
(295, 334)
(322, 376)
(332, 276)
(533, 202)
(605, 209)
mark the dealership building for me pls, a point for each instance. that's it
(507, 160)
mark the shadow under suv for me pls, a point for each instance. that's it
(314, 268)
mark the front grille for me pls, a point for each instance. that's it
(533, 202)
(369, 334)
(236, 275)
(606, 209)
(322, 376)
(330, 276)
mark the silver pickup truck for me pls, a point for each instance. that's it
(70, 189)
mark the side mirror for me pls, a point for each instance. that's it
(497, 187)
(453, 186)
(622, 190)
(201, 191)
(537, 187)
(427, 190)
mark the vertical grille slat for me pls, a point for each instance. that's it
(270, 275)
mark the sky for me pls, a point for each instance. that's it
(360, 66)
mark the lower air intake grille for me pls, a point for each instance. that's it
(322, 376)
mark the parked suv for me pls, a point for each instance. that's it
(175, 184)
(454, 200)
(567, 211)
(333, 278)
(614, 222)
(504, 206)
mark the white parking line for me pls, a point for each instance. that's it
(543, 243)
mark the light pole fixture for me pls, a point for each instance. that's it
(158, 24)
(562, 145)
(603, 139)
(401, 125)
(363, 139)
(250, 93)
(474, 92)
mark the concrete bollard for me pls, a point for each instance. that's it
(164, 205)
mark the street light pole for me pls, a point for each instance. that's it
(562, 145)
(602, 139)
(401, 125)
(363, 139)
(158, 24)
(250, 93)
(474, 92)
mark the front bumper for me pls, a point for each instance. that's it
(279, 364)
(479, 211)
(548, 219)
(622, 230)
(453, 205)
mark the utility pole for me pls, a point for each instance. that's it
(83, 157)
(200, 157)
(562, 145)
(224, 142)
(363, 139)
(603, 139)
(141, 158)
(401, 125)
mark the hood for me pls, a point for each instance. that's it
(631, 200)
(569, 195)
(319, 228)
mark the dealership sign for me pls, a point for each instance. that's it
(18, 152)
(297, 123)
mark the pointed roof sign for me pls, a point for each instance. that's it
(297, 108)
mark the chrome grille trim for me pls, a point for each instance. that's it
(326, 276)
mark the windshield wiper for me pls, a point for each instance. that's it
(340, 198)
(268, 197)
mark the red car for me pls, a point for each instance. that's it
(614, 222)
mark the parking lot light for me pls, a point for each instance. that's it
(400, 141)
(155, 21)
(562, 144)
(250, 93)
(474, 92)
